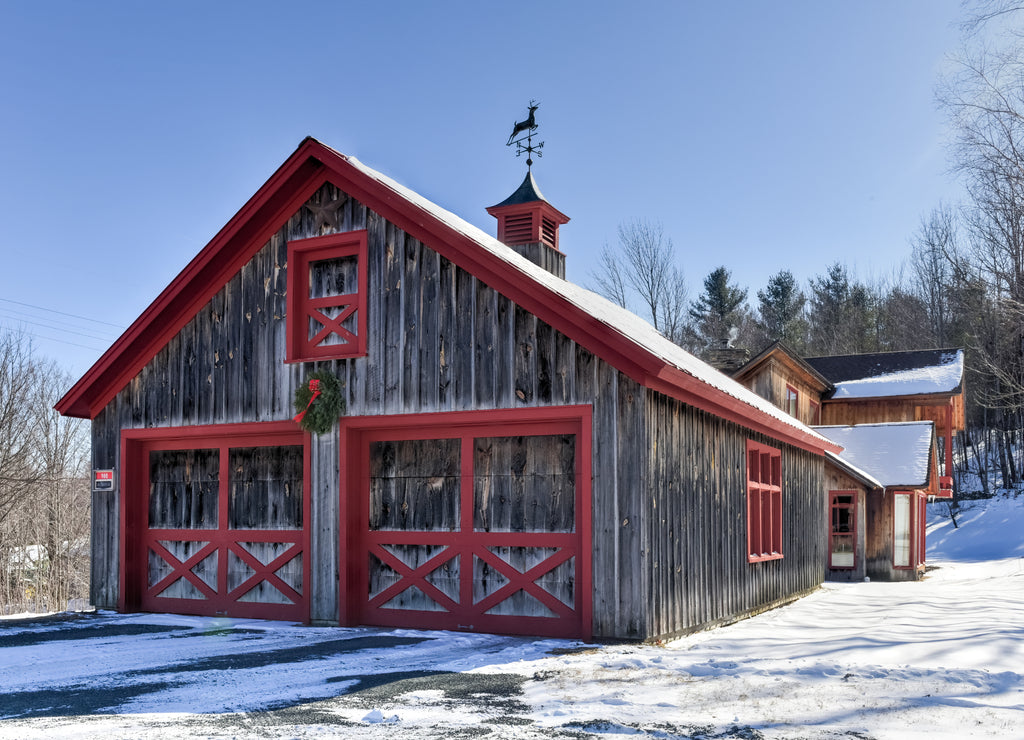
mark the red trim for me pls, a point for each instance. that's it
(915, 527)
(764, 502)
(136, 538)
(293, 184)
(536, 211)
(852, 533)
(233, 246)
(301, 254)
(467, 543)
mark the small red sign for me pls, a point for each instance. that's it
(103, 480)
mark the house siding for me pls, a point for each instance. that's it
(439, 340)
(694, 539)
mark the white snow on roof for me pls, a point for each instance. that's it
(942, 378)
(614, 317)
(895, 454)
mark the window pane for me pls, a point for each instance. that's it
(901, 527)
(414, 485)
(842, 551)
(754, 521)
(525, 484)
(767, 513)
(842, 519)
(265, 487)
(337, 276)
(183, 486)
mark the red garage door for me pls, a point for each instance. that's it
(470, 521)
(222, 524)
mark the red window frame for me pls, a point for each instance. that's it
(792, 402)
(832, 532)
(300, 307)
(764, 502)
(815, 408)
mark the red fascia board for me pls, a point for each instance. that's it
(684, 387)
(308, 168)
(621, 352)
(227, 252)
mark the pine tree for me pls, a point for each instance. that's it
(830, 296)
(716, 311)
(780, 306)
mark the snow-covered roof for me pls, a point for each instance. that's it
(854, 470)
(894, 454)
(893, 374)
(612, 316)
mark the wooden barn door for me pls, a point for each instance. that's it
(472, 523)
(223, 526)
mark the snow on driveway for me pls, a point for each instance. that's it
(940, 658)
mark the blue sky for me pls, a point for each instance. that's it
(762, 135)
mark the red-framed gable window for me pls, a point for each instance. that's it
(764, 502)
(815, 408)
(327, 285)
(792, 402)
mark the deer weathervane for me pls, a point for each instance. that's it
(525, 130)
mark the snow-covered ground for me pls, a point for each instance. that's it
(940, 658)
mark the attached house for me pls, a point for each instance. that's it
(514, 454)
(891, 412)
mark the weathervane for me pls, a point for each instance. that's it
(525, 142)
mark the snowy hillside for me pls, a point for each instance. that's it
(942, 658)
(990, 529)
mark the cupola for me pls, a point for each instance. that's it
(529, 224)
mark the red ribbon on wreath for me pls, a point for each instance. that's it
(314, 387)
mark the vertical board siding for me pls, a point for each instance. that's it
(441, 340)
(695, 536)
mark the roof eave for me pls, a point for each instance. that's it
(253, 223)
(291, 185)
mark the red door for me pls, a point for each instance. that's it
(221, 524)
(471, 521)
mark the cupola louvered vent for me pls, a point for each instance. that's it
(518, 229)
(529, 224)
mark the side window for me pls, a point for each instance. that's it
(327, 297)
(815, 413)
(764, 502)
(792, 402)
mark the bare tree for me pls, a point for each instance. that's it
(44, 490)
(933, 250)
(643, 267)
(17, 378)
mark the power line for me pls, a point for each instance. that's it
(62, 313)
(36, 335)
(105, 334)
(56, 327)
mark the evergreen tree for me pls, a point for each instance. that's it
(781, 306)
(830, 295)
(716, 311)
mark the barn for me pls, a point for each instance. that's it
(514, 454)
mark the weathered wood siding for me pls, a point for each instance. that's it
(693, 558)
(439, 340)
(837, 480)
(669, 489)
(770, 384)
(879, 546)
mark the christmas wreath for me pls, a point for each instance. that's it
(319, 403)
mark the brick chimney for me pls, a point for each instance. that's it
(529, 224)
